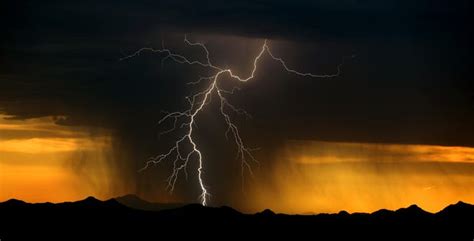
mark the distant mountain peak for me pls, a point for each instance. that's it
(343, 213)
(89, 200)
(136, 202)
(413, 207)
(14, 202)
(461, 203)
(382, 211)
(266, 212)
(456, 208)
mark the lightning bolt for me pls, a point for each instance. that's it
(198, 101)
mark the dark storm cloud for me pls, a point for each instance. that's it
(57, 51)
(410, 81)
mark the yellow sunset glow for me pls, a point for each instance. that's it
(37, 159)
(41, 161)
(39, 145)
(364, 177)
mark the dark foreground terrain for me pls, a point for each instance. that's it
(91, 219)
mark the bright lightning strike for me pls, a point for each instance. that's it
(197, 102)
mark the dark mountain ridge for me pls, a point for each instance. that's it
(111, 218)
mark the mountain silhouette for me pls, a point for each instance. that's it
(458, 209)
(136, 202)
(129, 216)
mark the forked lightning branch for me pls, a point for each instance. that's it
(180, 156)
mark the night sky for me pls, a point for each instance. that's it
(401, 109)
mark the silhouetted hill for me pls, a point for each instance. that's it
(266, 213)
(94, 219)
(13, 203)
(458, 209)
(91, 202)
(136, 202)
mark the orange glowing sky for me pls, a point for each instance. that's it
(39, 160)
(364, 177)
